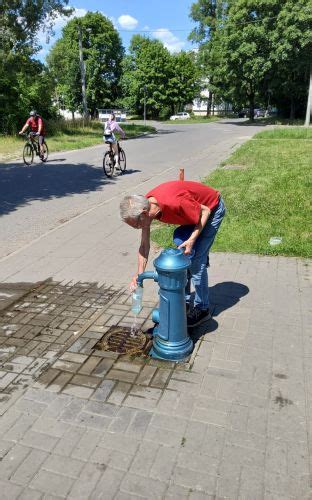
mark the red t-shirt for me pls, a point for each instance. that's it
(180, 201)
(34, 123)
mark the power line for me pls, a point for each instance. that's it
(159, 30)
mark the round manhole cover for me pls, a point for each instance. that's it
(119, 339)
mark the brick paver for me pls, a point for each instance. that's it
(231, 422)
(37, 327)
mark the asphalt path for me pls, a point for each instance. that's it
(35, 200)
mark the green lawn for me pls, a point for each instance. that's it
(266, 185)
(200, 119)
(66, 136)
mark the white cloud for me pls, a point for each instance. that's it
(128, 22)
(46, 40)
(170, 41)
(58, 24)
(61, 21)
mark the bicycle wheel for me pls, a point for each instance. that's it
(45, 155)
(108, 164)
(28, 154)
(122, 160)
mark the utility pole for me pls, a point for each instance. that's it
(309, 103)
(144, 104)
(83, 75)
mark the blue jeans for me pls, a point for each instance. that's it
(198, 269)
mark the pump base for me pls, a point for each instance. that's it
(171, 351)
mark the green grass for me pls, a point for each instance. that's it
(63, 136)
(266, 185)
(274, 120)
(200, 119)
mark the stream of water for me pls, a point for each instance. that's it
(134, 327)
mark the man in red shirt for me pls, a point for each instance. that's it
(35, 123)
(199, 210)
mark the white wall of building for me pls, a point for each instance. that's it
(67, 115)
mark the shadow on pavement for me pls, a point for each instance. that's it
(203, 329)
(173, 131)
(222, 296)
(225, 295)
(56, 159)
(20, 185)
(131, 171)
(245, 123)
(152, 135)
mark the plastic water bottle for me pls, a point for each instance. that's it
(137, 296)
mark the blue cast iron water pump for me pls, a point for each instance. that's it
(170, 337)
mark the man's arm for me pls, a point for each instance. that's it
(203, 218)
(24, 128)
(142, 255)
(40, 126)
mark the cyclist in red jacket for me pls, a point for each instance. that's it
(35, 123)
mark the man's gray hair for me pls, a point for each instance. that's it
(132, 206)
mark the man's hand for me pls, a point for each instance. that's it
(20, 132)
(188, 246)
(133, 283)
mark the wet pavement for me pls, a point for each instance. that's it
(37, 322)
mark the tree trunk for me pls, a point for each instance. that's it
(209, 102)
(252, 108)
(292, 108)
(309, 102)
(73, 115)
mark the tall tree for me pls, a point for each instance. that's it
(148, 67)
(257, 48)
(184, 82)
(207, 14)
(291, 55)
(102, 53)
(241, 52)
(168, 81)
(21, 20)
(20, 74)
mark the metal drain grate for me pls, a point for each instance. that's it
(118, 339)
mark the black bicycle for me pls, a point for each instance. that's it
(109, 163)
(32, 148)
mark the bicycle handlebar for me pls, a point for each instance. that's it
(27, 134)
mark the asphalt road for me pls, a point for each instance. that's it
(34, 200)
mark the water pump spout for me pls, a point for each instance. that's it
(147, 275)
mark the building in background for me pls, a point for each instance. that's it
(200, 104)
(104, 114)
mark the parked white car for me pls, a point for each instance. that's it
(180, 116)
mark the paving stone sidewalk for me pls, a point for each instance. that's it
(232, 422)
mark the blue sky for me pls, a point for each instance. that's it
(167, 20)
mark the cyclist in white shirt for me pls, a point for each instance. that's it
(109, 137)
